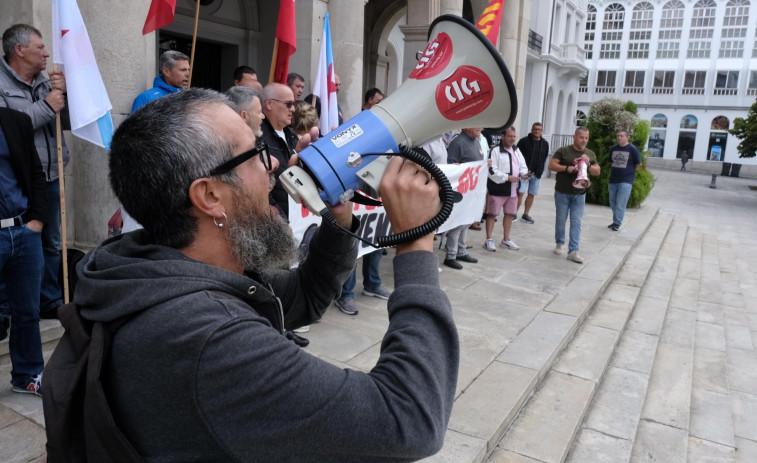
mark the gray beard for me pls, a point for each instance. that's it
(260, 240)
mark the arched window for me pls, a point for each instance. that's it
(580, 118)
(720, 123)
(641, 31)
(659, 121)
(670, 30)
(734, 29)
(702, 27)
(612, 31)
(591, 26)
(689, 122)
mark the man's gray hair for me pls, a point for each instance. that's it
(17, 34)
(169, 58)
(242, 97)
(158, 152)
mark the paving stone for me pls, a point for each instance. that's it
(659, 443)
(744, 415)
(634, 272)
(602, 269)
(587, 355)
(742, 370)
(685, 293)
(22, 441)
(711, 417)
(560, 401)
(621, 293)
(491, 402)
(540, 342)
(711, 291)
(500, 291)
(660, 287)
(709, 312)
(635, 352)
(703, 450)
(709, 336)
(595, 447)
(577, 298)
(689, 268)
(458, 448)
(746, 451)
(738, 336)
(617, 404)
(710, 371)
(505, 456)
(466, 374)
(648, 315)
(610, 314)
(679, 328)
(692, 247)
(669, 390)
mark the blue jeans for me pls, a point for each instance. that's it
(21, 262)
(371, 279)
(573, 205)
(51, 294)
(619, 194)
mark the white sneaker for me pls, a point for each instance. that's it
(489, 245)
(558, 249)
(510, 244)
(575, 257)
(302, 329)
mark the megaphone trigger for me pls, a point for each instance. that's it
(302, 189)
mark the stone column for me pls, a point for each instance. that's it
(124, 57)
(420, 14)
(309, 20)
(451, 7)
(347, 23)
(513, 40)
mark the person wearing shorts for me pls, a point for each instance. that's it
(506, 166)
(535, 150)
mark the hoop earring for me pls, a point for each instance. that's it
(225, 219)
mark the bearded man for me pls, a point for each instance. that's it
(201, 370)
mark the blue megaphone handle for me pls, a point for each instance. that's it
(335, 159)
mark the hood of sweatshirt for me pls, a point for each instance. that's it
(126, 274)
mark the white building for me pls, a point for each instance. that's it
(690, 66)
(555, 64)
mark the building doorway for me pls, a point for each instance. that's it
(209, 59)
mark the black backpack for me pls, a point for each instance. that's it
(78, 420)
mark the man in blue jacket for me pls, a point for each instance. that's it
(173, 77)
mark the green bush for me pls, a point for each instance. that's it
(606, 117)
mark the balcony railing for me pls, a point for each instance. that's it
(724, 91)
(692, 91)
(572, 52)
(633, 90)
(604, 89)
(662, 90)
(535, 41)
(583, 89)
(749, 91)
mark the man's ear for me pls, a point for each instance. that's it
(165, 71)
(207, 196)
(245, 115)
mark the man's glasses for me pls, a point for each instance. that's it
(289, 104)
(228, 166)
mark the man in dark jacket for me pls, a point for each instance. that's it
(535, 150)
(22, 208)
(202, 371)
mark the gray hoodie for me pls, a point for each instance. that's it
(202, 372)
(16, 94)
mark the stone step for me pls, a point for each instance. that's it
(548, 423)
(612, 421)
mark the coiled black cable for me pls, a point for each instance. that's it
(446, 195)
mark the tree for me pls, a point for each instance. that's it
(746, 131)
(606, 117)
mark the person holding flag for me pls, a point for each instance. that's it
(25, 87)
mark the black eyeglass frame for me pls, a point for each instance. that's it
(289, 104)
(231, 164)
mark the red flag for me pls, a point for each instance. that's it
(286, 38)
(491, 19)
(160, 15)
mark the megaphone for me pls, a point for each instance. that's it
(459, 81)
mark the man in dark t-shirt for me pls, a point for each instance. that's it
(626, 158)
(570, 200)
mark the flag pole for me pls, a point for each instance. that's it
(194, 40)
(64, 247)
(273, 59)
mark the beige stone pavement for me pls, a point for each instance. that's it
(515, 311)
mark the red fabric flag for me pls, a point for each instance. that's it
(160, 15)
(286, 33)
(491, 19)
